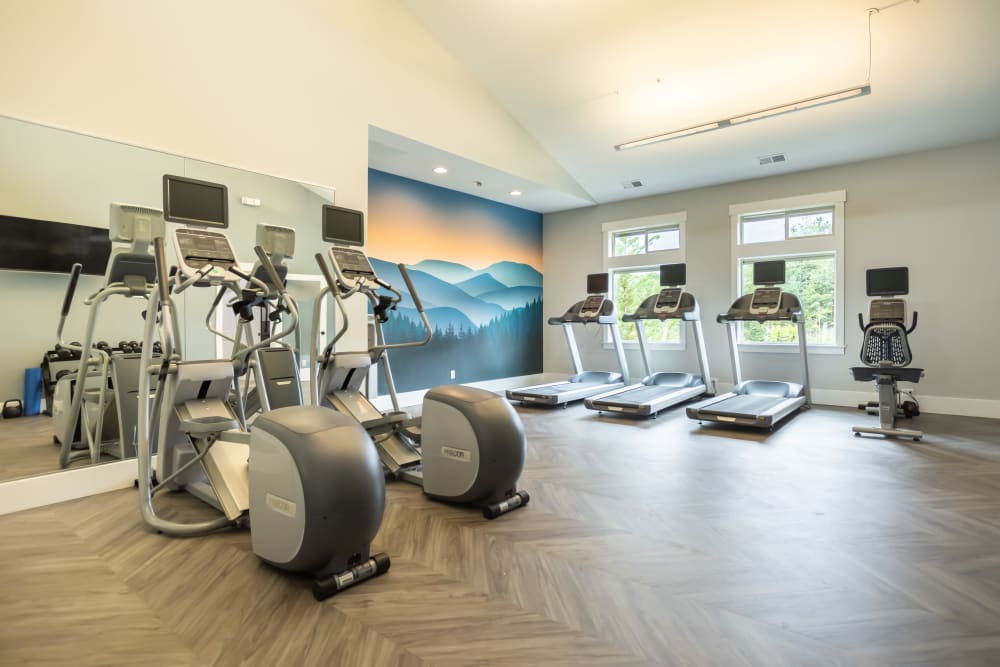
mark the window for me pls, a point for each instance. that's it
(634, 250)
(808, 233)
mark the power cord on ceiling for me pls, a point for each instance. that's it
(872, 12)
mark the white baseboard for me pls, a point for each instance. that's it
(56, 487)
(413, 398)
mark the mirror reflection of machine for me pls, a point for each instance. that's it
(94, 410)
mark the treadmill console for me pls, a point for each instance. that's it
(198, 249)
(350, 265)
(893, 310)
(669, 300)
(592, 306)
(765, 301)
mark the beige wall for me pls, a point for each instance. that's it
(938, 212)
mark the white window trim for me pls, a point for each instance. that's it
(805, 245)
(646, 261)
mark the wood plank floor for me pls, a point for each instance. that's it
(26, 448)
(651, 542)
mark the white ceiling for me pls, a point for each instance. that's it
(583, 75)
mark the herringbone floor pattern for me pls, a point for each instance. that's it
(650, 542)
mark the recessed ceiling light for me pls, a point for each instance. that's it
(440, 170)
(516, 193)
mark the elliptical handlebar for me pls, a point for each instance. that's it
(74, 277)
(160, 259)
(409, 287)
(913, 324)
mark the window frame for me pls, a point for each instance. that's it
(649, 261)
(789, 248)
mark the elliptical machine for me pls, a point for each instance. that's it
(95, 410)
(885, 353)
(307, 478)
(273, 377)
(468, 446)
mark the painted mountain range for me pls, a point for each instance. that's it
(456, 296)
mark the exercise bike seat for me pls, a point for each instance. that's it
(202, 426)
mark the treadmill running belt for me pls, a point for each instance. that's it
(748, 406)
(551, 389)
(637, 396)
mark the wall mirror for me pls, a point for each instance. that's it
(54, 175)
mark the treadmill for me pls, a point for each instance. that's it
(760, 403)
(658, 391)
(595, 309)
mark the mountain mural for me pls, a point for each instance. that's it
(512, 297)
(474, 333)
(450, 272)
(436, 293)
(481, 284)
(514, 274)
(475, 264)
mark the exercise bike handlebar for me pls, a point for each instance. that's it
(913, 323)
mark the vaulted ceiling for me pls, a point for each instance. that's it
(584, 75)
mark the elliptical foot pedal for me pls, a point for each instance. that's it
(519, 499)
(335, 583)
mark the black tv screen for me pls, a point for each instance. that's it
(769, 273)
(673, 275)
(343, 225)
(893, 281)
(39, 245)
(192, 202)
(597, 283)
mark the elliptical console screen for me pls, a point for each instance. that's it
(668, 300)
(888, 282)
(769, 273)
(192, 202)
(352, 263)
(343, 225)
(673, 275)
(198, 248)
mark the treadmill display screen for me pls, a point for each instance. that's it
(673, 275)
(668, 299)
(592, 305)
(769, 273)
(597, 283)
(766, 298)
(888, 282)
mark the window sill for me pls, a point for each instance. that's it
(633, 345)
(790, 348)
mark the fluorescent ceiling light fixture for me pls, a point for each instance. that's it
(516, 193)
(807, 103)
(440, 170)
